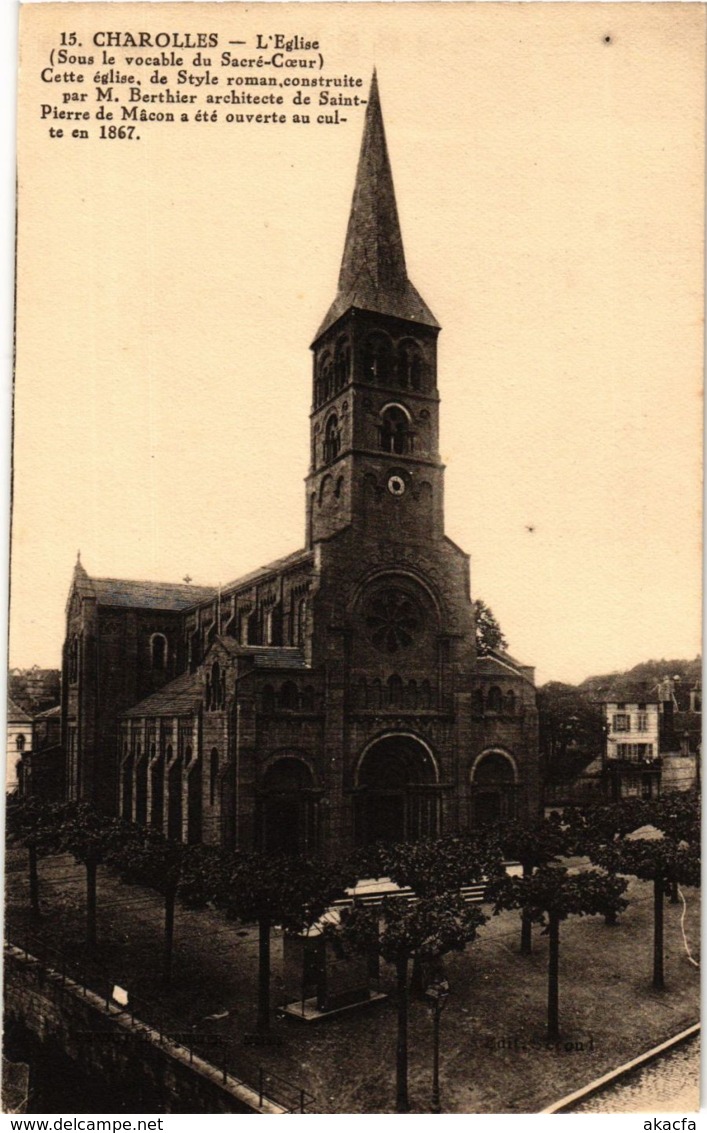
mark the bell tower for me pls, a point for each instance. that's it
(375, 463)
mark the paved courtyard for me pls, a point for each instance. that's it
(494, 1057)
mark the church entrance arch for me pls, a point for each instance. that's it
(397, 792)
(287, 808)
(493, 789)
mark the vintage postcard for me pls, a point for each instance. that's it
(354, 693)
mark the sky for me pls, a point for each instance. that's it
(548, 165)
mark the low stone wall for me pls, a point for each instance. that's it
(103, 1040)
(679, 772)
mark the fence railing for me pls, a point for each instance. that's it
(140, 1012)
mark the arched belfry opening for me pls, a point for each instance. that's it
(493, 789)
(287, 808)
(397, 792)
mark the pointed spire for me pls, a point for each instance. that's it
(373, 274)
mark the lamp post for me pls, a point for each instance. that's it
(437, 993)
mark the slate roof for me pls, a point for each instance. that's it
(177, 698)
(293, 559)
(497, 661)
(49, 713)
(622, 693)
(149, 595)
(373, 275)
(266, 656)
(17, 714)
(172, 595)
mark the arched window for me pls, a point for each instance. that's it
(74, 660)
(378, 359)
(289, 697)
(412, 694)
(216, 686)
(395, 434)
(272, 625)
(342, 363)
(376, 700)
(158, 648)
(301, 622)
(252, 635)
(332, 439)
(325, 375)
(395, 690)
(213, 776)
(20, 742)
(494, 701)
(267, 625)
(409, 365)
(510, 701)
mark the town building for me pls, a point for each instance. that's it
(34, 724)
(653, 739)
(19, 742)
(333, 697)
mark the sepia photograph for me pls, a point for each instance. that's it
(353, 754)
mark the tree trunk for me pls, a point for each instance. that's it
(674, 896)
(418, 979)
(402, 1104)
(658, 901)
(526, 925)
(91, 872)
(553, 980)
(526, 934)
(33, 881)
(264, 974)
(169, 902)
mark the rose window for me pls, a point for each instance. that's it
(393, 620)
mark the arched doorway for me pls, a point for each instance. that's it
(397, 797)
(287, 808)
(493, 789)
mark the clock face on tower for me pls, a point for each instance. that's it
(396, 485)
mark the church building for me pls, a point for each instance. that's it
(335, 696)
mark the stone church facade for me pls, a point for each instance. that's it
(334, 697)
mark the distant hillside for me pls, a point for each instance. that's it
(648, 672)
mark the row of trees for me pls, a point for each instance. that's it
(412, 935)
